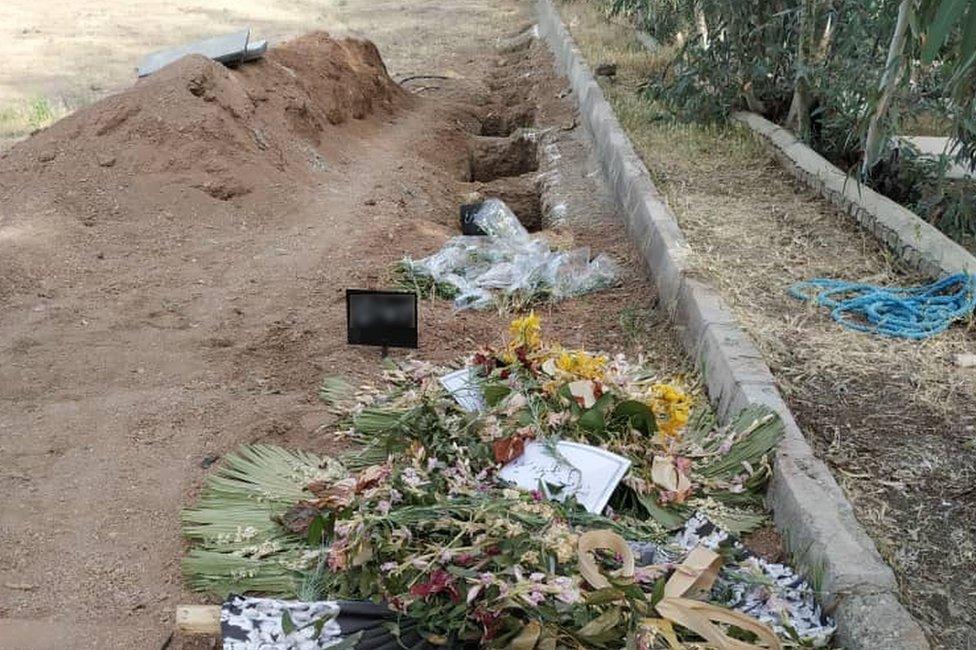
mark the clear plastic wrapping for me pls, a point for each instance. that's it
(508, 260)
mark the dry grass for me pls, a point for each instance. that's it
(895, 419)
(20, 119)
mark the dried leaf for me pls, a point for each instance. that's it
(601, 624)
(337, 496)
(508, 449)
(527, 638)
(665, 475)
(299, 517)
(583, 391)
(371, 477)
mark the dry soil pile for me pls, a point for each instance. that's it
(193, 134)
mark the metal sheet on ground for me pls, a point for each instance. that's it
(229, 48)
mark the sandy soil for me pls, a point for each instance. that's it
(895, 420)
(140, 345)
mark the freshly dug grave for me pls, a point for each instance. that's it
(197, 133)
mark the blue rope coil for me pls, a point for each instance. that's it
(909, 313)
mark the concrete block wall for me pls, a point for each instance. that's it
(914, 240)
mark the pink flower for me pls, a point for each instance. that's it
(645, 575)
(569, 596)
(383, 507)
(537, 495)
(387, 567)
(535, 597)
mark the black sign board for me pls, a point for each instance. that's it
(384, 318)
(468, 226)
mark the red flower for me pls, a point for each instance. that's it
(465, 559)
(487, 362)
(522, 354)
(440, 581)
(489, 621)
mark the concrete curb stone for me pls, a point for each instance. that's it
(809, 508)
(917, 242)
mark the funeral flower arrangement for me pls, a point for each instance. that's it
(415, 515)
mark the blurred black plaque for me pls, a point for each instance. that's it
(468, 226)
(384, 318)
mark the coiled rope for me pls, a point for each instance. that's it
(909, 313)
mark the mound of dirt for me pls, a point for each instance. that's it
(210, 132)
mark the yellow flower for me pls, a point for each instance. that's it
(582, 364)
(671, 407)
(526, 331)
(561, 542)
(529, 557)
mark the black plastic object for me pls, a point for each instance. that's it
(384, 318)
(468, 226)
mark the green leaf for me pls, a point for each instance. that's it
(638, 414)
(603, 596)
(949, 13)
(660, 514)
(658, 592)
(967, 44)
(601, 625)
(287, 625)
(319, 624)
(592, 419)
(633, 592)
(315, 531)
(495, 393)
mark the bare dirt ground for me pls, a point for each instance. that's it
(146, 328)
(895, 420)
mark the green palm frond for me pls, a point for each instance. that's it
(335, 390)
(757, 431)
(239, 546)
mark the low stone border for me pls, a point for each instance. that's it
(810, 509)
(914, 240)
